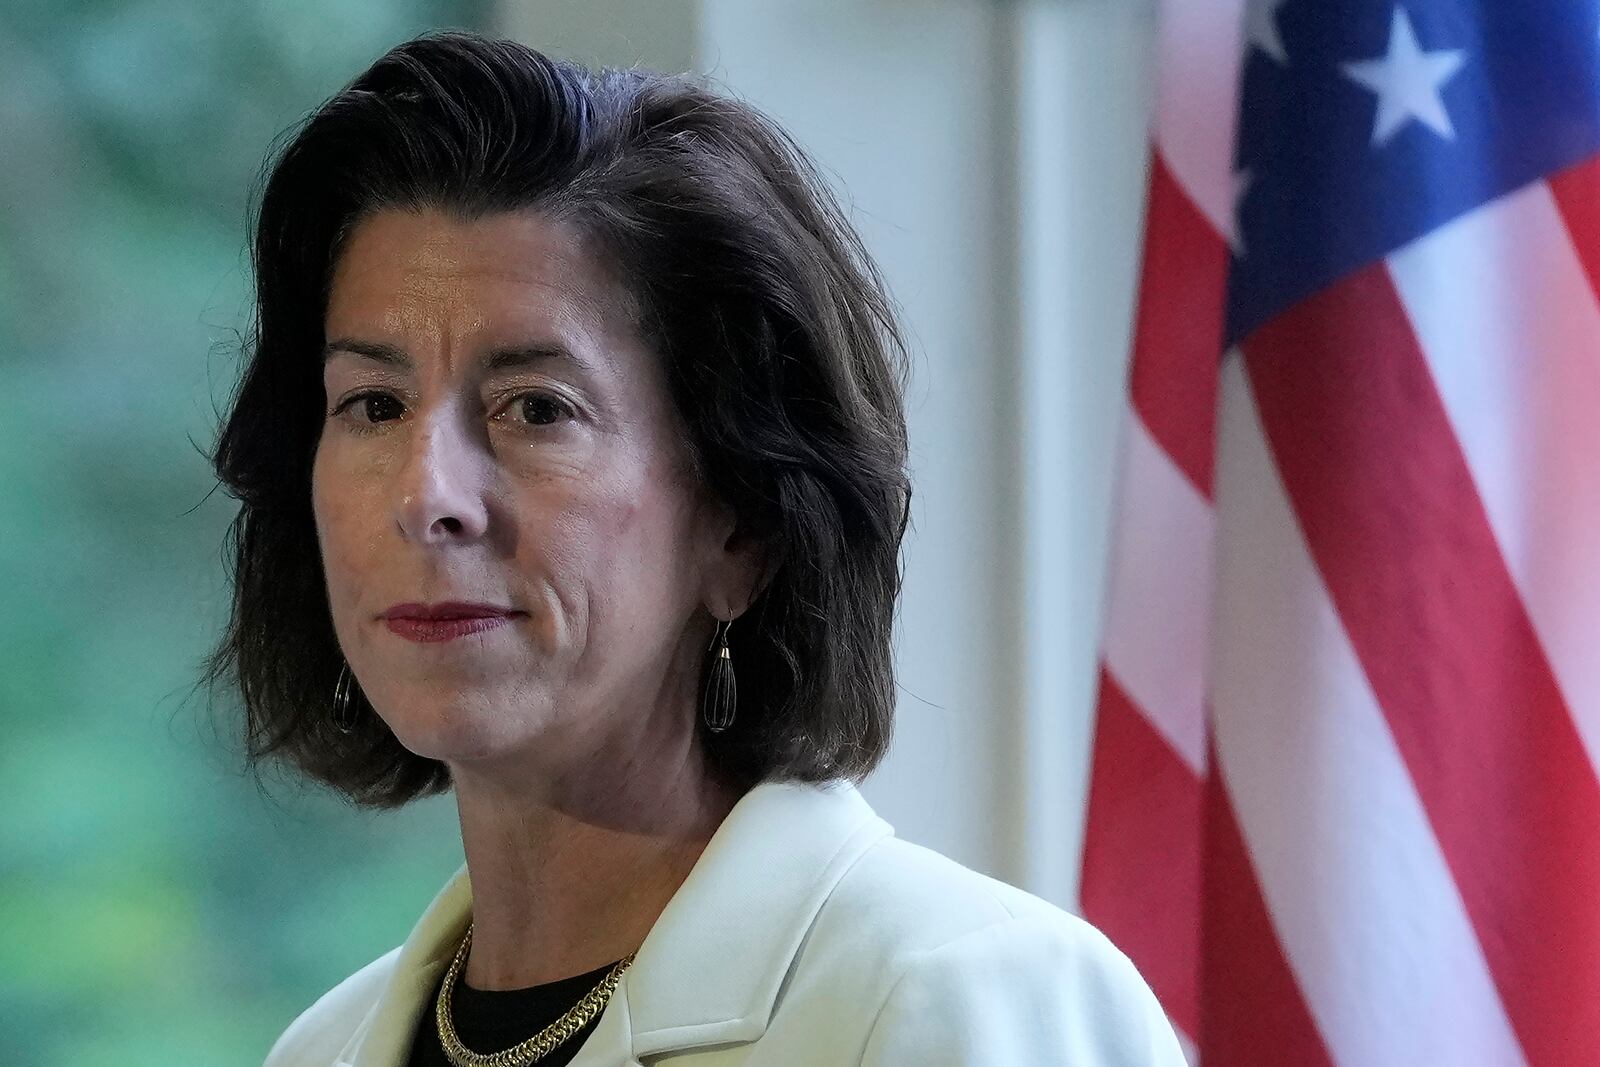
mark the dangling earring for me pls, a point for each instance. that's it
(721, 697)
(344, 710)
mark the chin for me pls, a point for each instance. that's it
(451, 734)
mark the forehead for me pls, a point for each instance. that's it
(424, 271)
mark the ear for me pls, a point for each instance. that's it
(739, 567)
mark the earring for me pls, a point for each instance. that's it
(344, 710)
(721, 698)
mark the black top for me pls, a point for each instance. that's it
(491, 1021)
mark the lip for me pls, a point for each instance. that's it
(444, 621)
(445, 610)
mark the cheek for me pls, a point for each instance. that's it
(645, 550)
(619, 543)
(343, 521)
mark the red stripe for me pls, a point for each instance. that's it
(1177, 345)
(1577, 193)
(1388, 507)
(1253, 1009)
(1141, 867)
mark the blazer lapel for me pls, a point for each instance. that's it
(710, 970)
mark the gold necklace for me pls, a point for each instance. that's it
(536, 1047)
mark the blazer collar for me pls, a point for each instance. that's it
(710, 970)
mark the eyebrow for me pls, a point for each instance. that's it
(495, 361)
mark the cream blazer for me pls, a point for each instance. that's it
(806, 935)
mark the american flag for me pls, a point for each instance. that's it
(1343, 803)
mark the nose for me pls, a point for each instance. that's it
(440, 497)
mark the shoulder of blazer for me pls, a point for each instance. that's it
(909, 899)
(895, 902)
(1030, 990)
(318, 1036)
(939, 955)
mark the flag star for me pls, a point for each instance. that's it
(1261, 28)
(1407, 81)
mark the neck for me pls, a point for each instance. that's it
(568, 876)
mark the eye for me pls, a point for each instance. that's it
(539, 409)
(529, 409)
(374, 405)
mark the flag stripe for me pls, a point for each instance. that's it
(1505, 315)
(1577, 193)
(1178, 334)
(1383, 493)
(1159, 598)
(1250, 1004)
(1364, 903)
(1141, 882)
(1197, 95)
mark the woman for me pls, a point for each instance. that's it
(572, 466)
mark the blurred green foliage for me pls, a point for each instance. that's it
(158, 906)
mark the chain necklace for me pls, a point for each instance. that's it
(539, 1045)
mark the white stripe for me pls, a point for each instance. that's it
(1509, 325)
(1188, 1047)
(1198, 47)
(1191, 1052)
(1159, 596)
(1363, 903)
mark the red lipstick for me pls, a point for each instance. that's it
(444, 621)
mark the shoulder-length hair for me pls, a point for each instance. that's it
(780, 344)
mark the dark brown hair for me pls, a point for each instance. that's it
(782, 353)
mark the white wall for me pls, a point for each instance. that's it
(1085, 90)
(994, 154)
(663, 34)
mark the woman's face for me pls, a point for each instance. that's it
(496, 432)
